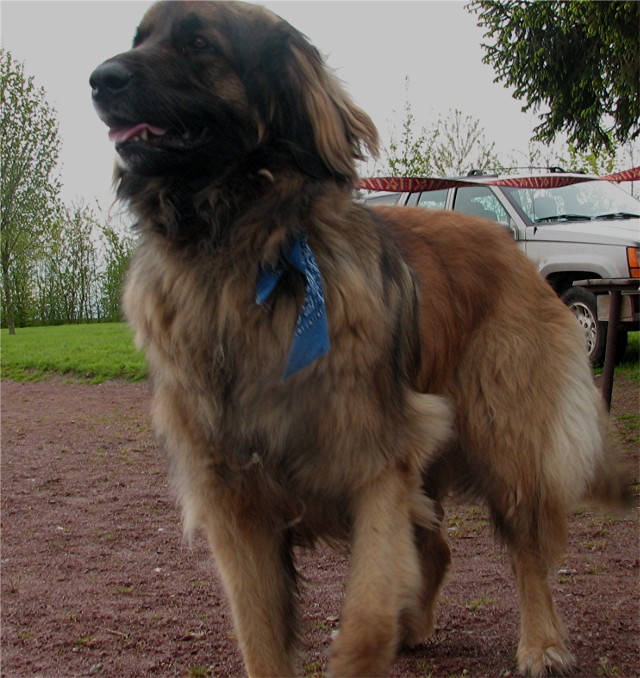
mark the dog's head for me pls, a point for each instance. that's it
(209, 84)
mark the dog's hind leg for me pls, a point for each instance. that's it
(565, 466)
(384, 578)
(256, 566)
(535, 532)
(543, 639)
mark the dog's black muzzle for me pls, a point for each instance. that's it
(109, 79)
(142, 124)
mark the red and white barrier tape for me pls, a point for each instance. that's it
(414, 184)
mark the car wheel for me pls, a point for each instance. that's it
(584, 307)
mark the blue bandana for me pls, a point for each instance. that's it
(311, 338)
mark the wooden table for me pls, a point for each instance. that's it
(615, 288)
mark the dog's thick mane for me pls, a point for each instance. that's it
(184, 212)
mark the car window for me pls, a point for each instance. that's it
(385, 199)
(435, 200)
(480, 201)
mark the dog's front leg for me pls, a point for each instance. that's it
(256, 565)
(383, 580)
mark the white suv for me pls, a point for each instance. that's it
(574, 231)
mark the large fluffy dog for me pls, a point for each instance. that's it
(324, 371)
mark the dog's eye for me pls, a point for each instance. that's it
(200, 44)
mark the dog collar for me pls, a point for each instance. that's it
(311, 336)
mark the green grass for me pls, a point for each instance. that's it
(93, 353)
(630, 364)
(105, 351)
(629, 424)
(200, 672)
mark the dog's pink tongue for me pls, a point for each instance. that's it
(121, 134)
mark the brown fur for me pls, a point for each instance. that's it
(424, 309)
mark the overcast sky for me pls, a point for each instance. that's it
(371, 45)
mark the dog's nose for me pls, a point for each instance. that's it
(109, 78)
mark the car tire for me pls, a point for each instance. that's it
(584, 307)
(583, 304)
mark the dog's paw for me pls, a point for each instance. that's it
(416, 626)
(555, 660)
(362, 650)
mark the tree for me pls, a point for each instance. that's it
(21, 289)
(113, 275)
(461, 146)
(453, 145)
(581, 59)
(29, 148)
(566, 157)
(68, 279)
(118, 250)
(629, 156)
(572, 159)
(410, 155)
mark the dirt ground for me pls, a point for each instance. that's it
(97, 579)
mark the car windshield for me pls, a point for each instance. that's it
(578, 202)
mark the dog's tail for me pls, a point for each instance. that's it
(611, 483)
(593, 472)
(612, 486)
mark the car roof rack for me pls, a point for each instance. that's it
(481, 173)
(552, 169)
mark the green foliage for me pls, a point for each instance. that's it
(580, 59)
(478, 604)
(75, 275)
(453, 145)
(199, 672)
(19, 277)
(573, 159)
(411, 154)
(66, 271)
(57, 265)
(629, 425)
(94, 353)
(461, 146)
(630, 364)
(80, 274)
(118, 252)
(28, 188)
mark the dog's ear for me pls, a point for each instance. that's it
(340, 130)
